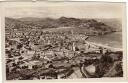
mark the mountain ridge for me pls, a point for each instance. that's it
(93, 26)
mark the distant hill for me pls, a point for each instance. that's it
(11, 23)
(29, 19)
(89, 26)
(114, 23)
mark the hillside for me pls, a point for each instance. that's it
(11, 23)
(115, 23)
(88, 26)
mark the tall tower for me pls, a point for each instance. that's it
(73, 46)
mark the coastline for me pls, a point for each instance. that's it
(113, 39)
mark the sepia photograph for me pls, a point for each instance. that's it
(65, 40)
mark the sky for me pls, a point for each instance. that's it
(70, 9)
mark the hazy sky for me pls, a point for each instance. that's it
(55, 10)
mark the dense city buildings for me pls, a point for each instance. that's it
(33, 52)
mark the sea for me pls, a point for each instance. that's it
(112, 39)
